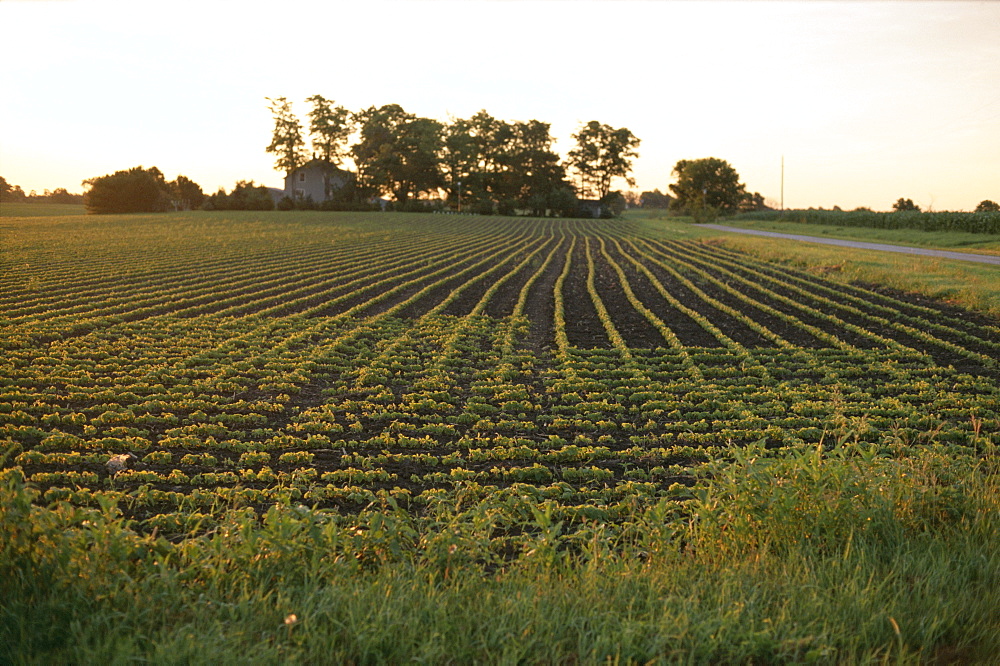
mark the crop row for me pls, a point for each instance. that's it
(591, 362)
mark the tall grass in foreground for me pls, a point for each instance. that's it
(840, 556)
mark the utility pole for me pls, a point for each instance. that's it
(782, 182)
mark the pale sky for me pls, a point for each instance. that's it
(867, 101)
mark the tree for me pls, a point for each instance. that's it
(460, 164)
(377, 128)
(286, 141)
(398, 153)
(987, 206)
(529, 172)
(10, 193)
(905, 205)
(473, 158)
(186, 194)
(654, 199)
(753, 202)
(707, 186)
(329, 128)
(602, 153)
(417, 166)
(136, 190)
(63, 196)
(245, 196)
(495, 165)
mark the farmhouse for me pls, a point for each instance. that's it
(317, 179)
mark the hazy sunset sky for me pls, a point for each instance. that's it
(866, 101)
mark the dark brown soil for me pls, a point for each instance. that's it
(635, 329)
(583, 325)
(539, 306)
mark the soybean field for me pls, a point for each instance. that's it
(183, 364)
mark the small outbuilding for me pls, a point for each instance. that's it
(589, 208)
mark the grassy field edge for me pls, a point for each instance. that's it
(965, 284)
(836, 556)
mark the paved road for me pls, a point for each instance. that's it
(942, 254)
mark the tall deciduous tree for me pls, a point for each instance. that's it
(460, 164)
(473, 159)
(186, 194)
(988, 206)
(602, 153)
(10, 192)
(398, 153)
(417, 165)
(286, 141)
(706, 186)
(329, 128)
(500, 165)
(377, 128)
(532, 173)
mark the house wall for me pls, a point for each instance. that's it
(314, 182)
(305, 183)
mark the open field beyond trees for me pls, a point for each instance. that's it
(311, 436)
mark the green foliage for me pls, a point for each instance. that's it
(186, 194)
(707, 187)
(602, 153)
(613, 205)
(341, 422)
(13, 194)
(245, 196)
(803, 556)
(10, 193)
(493, 165)
(397, 152)
(530, 173)
(286, 140)
(655, 199)
(753, 201)
(329, 126)
(905, 206)
(979, 222)
(987, 206)
(140, 190)
(136, 190)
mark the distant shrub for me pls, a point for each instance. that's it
(245, 196)
(136, 190)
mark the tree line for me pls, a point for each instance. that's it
(10, 193)
(478, 164)
(141, 190)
